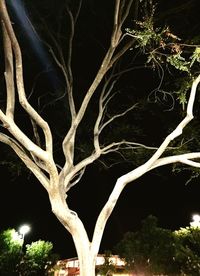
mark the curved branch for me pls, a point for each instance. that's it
(181, 158)
(10, 125)
(27, 161)
(153, 162)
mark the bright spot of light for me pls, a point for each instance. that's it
(24, 229)
(196, 221)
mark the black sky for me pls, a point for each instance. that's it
(163, 194)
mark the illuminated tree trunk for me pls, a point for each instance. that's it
(70, 220)
(86, 263)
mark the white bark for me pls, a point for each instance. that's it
(40, 160)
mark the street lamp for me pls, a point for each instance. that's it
(23, 230)
(196, 221)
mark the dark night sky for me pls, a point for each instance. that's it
(23, 200)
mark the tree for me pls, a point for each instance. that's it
(153, 250)
(38, 154)
(38, 259)
(149, 250)
(10, 252)
(187, 254)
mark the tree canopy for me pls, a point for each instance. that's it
(35, 259)
(153, 250)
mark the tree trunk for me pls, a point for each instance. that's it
(86, 265)
(87, 258)
(70, 220)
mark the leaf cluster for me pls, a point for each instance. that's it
(36, 260)
(154, 250)
(10, 253)
(166, 52)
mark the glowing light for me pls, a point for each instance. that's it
(196, 221)
(24, 229)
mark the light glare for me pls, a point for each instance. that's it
(196, 221)
(24, 229)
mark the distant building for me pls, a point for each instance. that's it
(70, 267)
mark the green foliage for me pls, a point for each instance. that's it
(146, 35)
(39, 249)
(183, 85)
(10, 240)
(188, 250)
(10, 252)
(160, 44)
(165, 51)
(179, 62)
(195, 56)
(37, 259)
(154, 250)
(149, 250)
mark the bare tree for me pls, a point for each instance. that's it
(40, 160)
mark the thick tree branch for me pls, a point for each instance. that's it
(153, 162)
(27, 161)
(10, 125)
(180, 158)
(9, 74)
